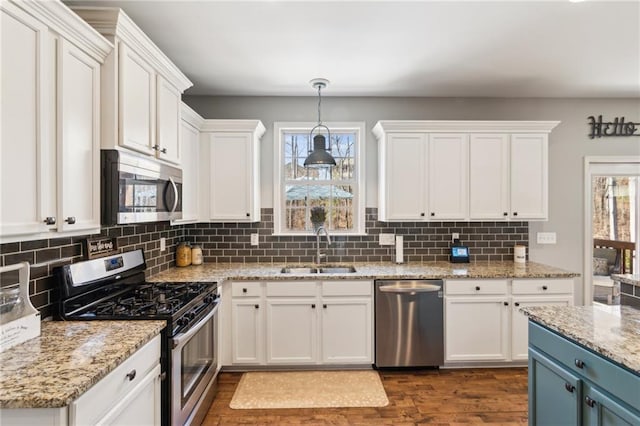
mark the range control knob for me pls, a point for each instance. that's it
(191, 315)
(182, 322)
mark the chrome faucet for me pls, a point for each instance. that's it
(319, 255)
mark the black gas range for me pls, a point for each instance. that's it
(114, 288)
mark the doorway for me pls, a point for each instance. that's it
(612, 225)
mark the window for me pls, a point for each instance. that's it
(340, 189)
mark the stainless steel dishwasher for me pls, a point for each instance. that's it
(409, 323)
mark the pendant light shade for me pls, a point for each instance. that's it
(320, 155)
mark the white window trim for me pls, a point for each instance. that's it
(278, 178)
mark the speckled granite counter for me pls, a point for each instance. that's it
(611, 331)
(632, 279)
(67, 359)
(262, 271)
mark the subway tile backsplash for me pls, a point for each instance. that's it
(231, 242)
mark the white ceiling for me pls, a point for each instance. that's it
(399, 48)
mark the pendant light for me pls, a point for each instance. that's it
(320, 155)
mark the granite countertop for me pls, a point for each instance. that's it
(68, 357)
(611, 331)
(445, 270)
(633, 279)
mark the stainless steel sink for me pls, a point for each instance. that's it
(320, 270)
(337, 270)
(299, 270)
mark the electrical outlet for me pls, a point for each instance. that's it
(546, 237)
(163, 244)
(254, 239)
(455, 236)
(387, 239)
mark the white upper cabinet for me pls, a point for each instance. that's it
(489, 177)
(190, 124)
(529, 176)
(233, 166)
(463, 170)
(50, 121)
(448, 176)
(141, 89)
(403, 189)
(78, 124)
(136, 101)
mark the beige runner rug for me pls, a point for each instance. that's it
(309, 389)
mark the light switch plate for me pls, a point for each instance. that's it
(387, 239)
(546, 237)
(455, 236)
(254, 239)
(163, 244)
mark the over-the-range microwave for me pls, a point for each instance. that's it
(135, 189)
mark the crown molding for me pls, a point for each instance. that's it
(191, 117)
(63, 21)
(254, 126)
(469, 126)
(114, 22)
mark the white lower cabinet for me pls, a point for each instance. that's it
(483, 322)
(301, 322)
(128, 395)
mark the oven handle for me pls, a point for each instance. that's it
(182, 338)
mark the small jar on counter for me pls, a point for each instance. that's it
(183, 254)
(196, 255)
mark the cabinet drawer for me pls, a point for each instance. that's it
(291, 288)
(545, 286)
(347, 288)
(475, 287)
(94, 404)
(247, 289)
(614, 379)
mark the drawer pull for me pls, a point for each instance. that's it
(544, 287)
(324, 305)
(590, 402)
(579, 363)
(421, 214)
(70, 220)
(569, 387)
(50, 220)
(517, 303)
(131, 375)
(477, 288)
(244, 290)
(256, 306)
(313, 306)
(506, 303)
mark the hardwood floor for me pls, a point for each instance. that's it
(446, 397)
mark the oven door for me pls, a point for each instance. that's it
(193, 366)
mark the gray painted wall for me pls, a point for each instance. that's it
(568, 145)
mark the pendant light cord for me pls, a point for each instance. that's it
(319, 103)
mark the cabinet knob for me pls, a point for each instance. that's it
(313, 306)
(569, 387)
(579, 363)
(156, 147)
(590, 402)
(544, 287)
(477, 288)
(517, 303)
(506, 303)
(256, 306)
(505, 214)
(248, 214)
(70, 220)
(421, 214)
(244, 290)
(50, 220)
(432, 214)
(515, 213)
(131, 375)
(163, 150)
(324, 306)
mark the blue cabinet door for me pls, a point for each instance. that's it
(554, 393)
(601, 410)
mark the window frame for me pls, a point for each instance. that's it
(279, 200)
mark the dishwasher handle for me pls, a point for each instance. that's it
(411, 289)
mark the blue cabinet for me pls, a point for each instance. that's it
(570, 385)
